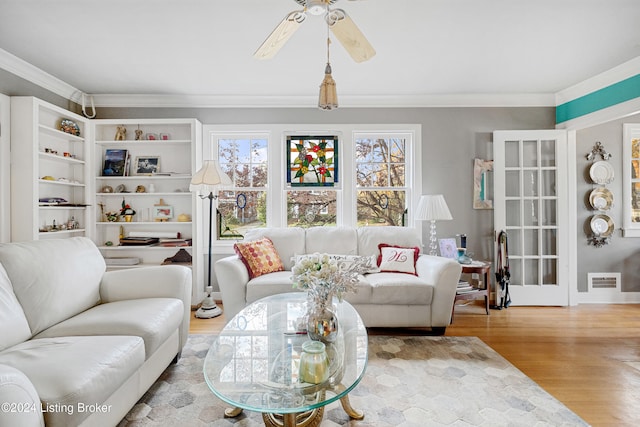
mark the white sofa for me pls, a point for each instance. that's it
(383, 299)
(78, 345)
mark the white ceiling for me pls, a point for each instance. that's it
(426, 49)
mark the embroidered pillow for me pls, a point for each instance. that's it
(259, 256)
(397, 259)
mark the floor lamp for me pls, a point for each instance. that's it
(433, 208)
(209, 179)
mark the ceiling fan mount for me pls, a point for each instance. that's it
(341, 25)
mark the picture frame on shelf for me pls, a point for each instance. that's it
(115, 162)
(147, 165)
(448, 248)
(162, 212)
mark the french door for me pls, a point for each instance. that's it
(531, 205)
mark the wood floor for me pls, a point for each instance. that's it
(588, 356)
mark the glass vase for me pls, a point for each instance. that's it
(314, 363)
(322, 323)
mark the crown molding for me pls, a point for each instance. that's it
(35, 75)
(617, 74)
(372, 101)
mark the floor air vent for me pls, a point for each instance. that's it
(603, 281)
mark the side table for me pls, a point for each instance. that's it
(484, 269)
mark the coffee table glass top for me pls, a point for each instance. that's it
(253, 363)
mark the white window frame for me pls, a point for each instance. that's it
(276, 135)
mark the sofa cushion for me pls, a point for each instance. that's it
(287, 241)
(15, 327)
(53, 279)
(399, 288)
(370, 237)
(152, 319)
(269, 284)
(259, 256)
(331, 240)
(69, 371)
(398, 259)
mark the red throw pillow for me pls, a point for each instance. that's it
(260, 257)
(398, 259)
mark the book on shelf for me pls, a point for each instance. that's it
(175, 242)
(159, 234)
(138, 241)
(115, 162)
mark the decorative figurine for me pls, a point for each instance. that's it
(121, 133)
(139, 134)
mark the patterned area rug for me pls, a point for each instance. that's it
(410, 381)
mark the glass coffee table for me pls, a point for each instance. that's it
(253, 363)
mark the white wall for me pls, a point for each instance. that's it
(5, 197)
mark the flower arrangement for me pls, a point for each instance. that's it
(126, 209)
(323, 276)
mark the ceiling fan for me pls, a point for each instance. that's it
(342, 26)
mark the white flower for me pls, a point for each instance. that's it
(324, 276)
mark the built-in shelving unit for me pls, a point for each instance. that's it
(50, 195)
(151, 192)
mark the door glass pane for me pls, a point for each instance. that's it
(549, 213)
(548, 152)
(531, 242)
(530, 183)
(515, 268)
(549, 242)
(548, 184)
(515, 242)
(635, 202)
(511, 154)
(512, 184)
(530, 214)
(531, 275)
(530, 153)
(549, 271)
(513, 213)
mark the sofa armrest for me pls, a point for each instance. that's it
(232, 276)
(167, 281)
(19, 399)
(444, 273)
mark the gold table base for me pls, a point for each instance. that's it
(311, 418)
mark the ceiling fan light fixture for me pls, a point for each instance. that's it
(328, 99)
(316, 7)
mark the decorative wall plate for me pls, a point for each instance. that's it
(601, 172)
(601, 199)
(602, 225)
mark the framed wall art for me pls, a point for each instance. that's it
(481, 169)
(312, 161)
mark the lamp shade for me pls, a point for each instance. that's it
(209, 178)
(433, 208)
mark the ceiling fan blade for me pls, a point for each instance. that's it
(350, 36)
(280, 35)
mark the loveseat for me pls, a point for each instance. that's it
(79, 345)
(383, 298)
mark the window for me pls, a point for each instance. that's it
(376, 183)
(381, 164)
(242, 207)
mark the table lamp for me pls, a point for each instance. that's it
(433, 208)
(209, 179)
